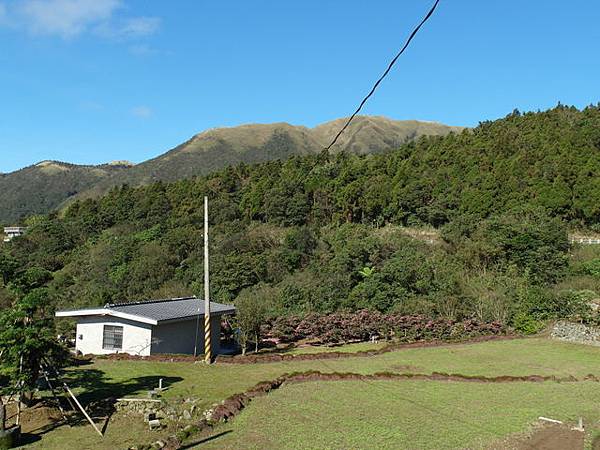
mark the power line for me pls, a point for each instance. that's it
(376, 85)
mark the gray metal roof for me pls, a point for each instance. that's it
(170, 309)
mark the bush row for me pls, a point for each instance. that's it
(362, 325)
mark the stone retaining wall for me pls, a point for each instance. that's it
(576, 332)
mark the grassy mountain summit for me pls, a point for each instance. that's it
(49, 184)
(374, 134)
(43, 186)
(217, 148)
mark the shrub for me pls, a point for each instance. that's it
(592, 267)
(527, 324)
(576, 305)
(360, 326)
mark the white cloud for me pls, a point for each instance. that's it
(70, 18)
(143, 112)
(140, 26)
(136, 27)
(65, 18)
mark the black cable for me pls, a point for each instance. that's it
(410, 38)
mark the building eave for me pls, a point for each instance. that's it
(106, 312)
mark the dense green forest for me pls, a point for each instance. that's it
(50, 185)
(328, 232)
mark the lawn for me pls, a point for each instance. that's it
(348, 348)
(211, 384)
(406, 415)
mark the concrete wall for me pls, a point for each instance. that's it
(136, 336)
(178, 337)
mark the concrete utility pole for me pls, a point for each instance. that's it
(207, 331)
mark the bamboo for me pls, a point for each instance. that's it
(65, 388)
(62, 411)
(19, 396)
(82, 409)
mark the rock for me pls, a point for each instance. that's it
(159, 444)
(576, 332)
(154, 424)
(188, 428)
(187, 415)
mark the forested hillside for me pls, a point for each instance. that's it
(218, 148)
(42, 187)
(326, 232)
(48, 185)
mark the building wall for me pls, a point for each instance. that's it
(136, 336)
(178, 337)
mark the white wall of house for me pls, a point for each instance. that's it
(178, 337)
(137, 337)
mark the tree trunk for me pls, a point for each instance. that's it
(255, 342)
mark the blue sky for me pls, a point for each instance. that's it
(90, 81)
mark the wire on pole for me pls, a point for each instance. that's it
(378, 82)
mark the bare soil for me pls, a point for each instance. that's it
(36, 418)
(545, 437)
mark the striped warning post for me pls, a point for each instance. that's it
(207, 344)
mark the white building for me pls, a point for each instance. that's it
(147, 327)
(13, 232)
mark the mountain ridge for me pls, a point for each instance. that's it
(50, 184)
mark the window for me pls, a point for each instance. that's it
(112, 338)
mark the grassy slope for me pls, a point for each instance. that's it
(214, 383)
(407, 415)
(515, 357)
(347, 348)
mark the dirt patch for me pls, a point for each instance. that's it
(405, 368)
(545, 437)
(35, 419)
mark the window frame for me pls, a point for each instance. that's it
(112, 335)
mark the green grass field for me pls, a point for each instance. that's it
(471, 402)
(348, 348)
(402, 415)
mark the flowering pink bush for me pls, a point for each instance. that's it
(362, 325)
